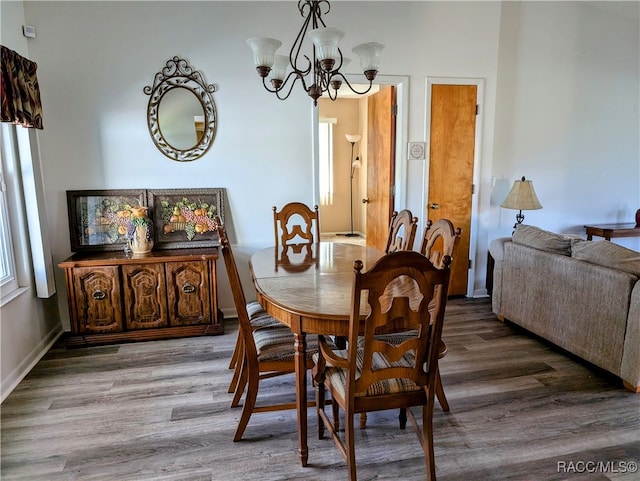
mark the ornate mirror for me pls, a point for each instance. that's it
(181, 114)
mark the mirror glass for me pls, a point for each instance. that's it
(181, 114)
(181, 118)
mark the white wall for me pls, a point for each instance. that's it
(28, 325)
(567, 114)
(560, 104)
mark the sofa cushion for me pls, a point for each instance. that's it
(537, 238)
(608, 254)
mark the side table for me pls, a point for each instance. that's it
(609, 231)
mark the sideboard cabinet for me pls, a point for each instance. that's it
(114, 297)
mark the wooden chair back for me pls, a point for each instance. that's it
(404, 293)
(239, 300)
(439, 240)
(402, 231)
(399, 290)
(296, 223)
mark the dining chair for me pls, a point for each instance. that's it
(438, 242)
(402, 231)
(286, 230)
(296, 223)
(403, 292)
(264, 353)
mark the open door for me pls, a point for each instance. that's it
(381, 147)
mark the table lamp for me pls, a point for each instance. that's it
(521, 197)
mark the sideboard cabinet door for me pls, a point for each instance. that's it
(188, 293)
(145, 296)
(98, 301)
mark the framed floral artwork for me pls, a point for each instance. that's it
(99, 219)
(184, 217)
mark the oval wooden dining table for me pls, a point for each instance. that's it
(308, 288)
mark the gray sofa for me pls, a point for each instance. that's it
(583, 296)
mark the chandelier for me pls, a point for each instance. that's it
(319, 73)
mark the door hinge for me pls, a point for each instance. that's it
(470, 264)
(473, 189)
(392, 191)
(394, 109)
(477, 109)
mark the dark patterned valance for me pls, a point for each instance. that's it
(20, 91)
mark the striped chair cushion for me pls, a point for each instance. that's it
(259, 318)
(394, 338)
(338, 376)
(276, 344)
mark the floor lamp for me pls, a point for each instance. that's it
(352, 139)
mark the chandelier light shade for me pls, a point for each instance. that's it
(320, 71)
(264, 50)
(522, 197)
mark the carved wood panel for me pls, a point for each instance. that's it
(144, 296)
(98, 299)
(188, 293)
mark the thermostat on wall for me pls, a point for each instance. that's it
(415, 151)
(29, 31)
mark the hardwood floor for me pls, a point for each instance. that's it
(158, 410)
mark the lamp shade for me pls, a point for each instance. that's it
(279, 68)
(522, 196)
(353, 138)
(369, 55)
(326, 40)
(264, 50)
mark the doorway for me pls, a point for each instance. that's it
(343, 160)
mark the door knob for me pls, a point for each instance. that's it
(435, 206)
(365, 201)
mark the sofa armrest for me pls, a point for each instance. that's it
(496, 249)
(630, 367)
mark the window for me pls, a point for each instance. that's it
(8, 276)
(325, 136)
(8, 280)
(25, 253)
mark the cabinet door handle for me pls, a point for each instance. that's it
(188, 288)
(99, 295)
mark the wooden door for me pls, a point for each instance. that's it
(145, 296)
(381, 147)
(452, 145)
(98, 301)
(188, 293)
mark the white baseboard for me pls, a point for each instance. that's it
(19, 373)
